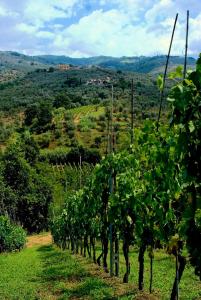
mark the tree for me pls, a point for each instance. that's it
(26, 195)
(31, 112)
(38, 116)
(29, 147)
(62, 100)
(15, 169)
(8, 200)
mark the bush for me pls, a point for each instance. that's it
(12, 237)
(44, 140)
(70, 126)
(62, 100)
(73, 156)
(102, 118)
(71, 134)
(86, 124)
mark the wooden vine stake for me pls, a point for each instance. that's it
(184, 76)
(186, 47)
(132, 111)
(111, 185)
(165, 72)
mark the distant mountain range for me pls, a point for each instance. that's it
(140, 64)
(22, 63)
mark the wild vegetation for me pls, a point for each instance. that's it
(12, 237)
(25, 194)
(67, 163)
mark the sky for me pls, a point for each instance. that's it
(84, 28)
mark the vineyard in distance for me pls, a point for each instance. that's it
(100, 183)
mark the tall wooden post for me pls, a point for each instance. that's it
(132, 111)
(186, 46)
(111, 186)
(165, 72)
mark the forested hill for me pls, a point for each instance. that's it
(22, 63)
(14, 64)
(140, 64)
(84, 86)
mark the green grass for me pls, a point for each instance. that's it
(47, 273)
(55, 151)
(19, 275)
(85, 110)
(163, 275)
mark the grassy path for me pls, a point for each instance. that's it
(42, 271)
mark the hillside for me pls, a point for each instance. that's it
(140, 64)
(22, 63)
(84, 86)
(14, 65)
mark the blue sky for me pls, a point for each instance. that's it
(82, 28)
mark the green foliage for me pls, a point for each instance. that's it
(16, 170)
(38, 116)
(5, 132)
(30, 114)
(51, 70)
(33, 206)
(135, 200)
(86, 124)
(12, 237)
(177, 74)
(185, 98)
(26, 194)
(72, 156)
(160, 82)
(151, 193)
(123, 84)
(73, 82)
(41, 86)
(44, 139)
(30, 148)
(62, 100)
(8, 199)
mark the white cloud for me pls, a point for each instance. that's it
(40, 11)
(112, 33)
(121, 27)
(161, 9)
(4, 12)
(30, 29)
(45, 35)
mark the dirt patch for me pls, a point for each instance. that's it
(39, 240)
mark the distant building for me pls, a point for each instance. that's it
(63, 67)
(98, 81)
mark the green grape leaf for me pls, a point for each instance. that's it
(198, 218)
(191, 126)
(160, 82)
(178, 73)
(198, 64)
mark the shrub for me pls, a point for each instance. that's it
(102, 118)
(57, 133)
(44, 139)
(12, 237)
(97, 142)
(70, 126)
(86, 124)
(62, 100)
(71, 134)
(116, 127)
